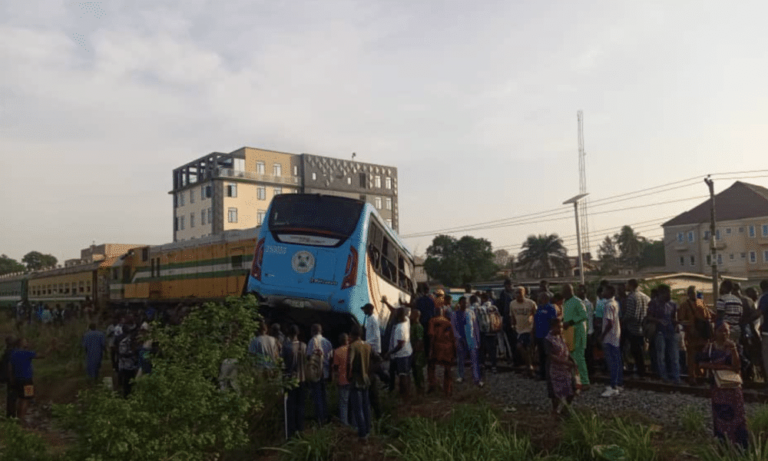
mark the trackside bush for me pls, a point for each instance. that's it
(177, 411)
(17, 444)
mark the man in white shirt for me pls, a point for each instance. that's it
(611, 341)
(401, 350)
(372, 329)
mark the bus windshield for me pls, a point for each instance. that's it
(315, 214)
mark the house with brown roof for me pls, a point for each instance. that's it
(741, 235)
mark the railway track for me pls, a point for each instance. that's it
(753, 392)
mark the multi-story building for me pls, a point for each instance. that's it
(375, 184)
(741, 235)
(220, 192)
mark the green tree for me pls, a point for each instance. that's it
(178, 410)
(9, 265)
(458, 262)
(652, 254)
(36, 260)
(544, 254)
(630, 245)
(609, 255)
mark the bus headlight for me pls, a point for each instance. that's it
(258, 259)
(350, 272)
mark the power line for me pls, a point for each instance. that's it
(552, 212)
(526, 218)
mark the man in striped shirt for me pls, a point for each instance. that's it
(730, 309)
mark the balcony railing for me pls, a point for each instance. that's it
(231, 173)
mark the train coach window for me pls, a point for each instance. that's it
(81, 286)
(237, 261)
(144, 254)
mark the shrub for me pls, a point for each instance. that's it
(177, 411)
(319, 445)
(17, 444)
(587, 435)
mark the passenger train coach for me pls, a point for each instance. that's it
(321, 258)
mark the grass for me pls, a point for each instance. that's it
(693, 420)
(470, 433)
(587, 435)
(758, 423)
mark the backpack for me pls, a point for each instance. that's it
(315, 364)
(495, 322)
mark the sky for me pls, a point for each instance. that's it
(474, 103)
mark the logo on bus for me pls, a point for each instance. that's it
(303, 262)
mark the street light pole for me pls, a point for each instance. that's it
(578, 241)
(575, 201)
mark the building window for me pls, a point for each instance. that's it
(377, 202)
(389, 223)
(741, 230)
(232, 215)
(278, 190)
(191, 220)
(261, 193)
(388, 182)
(202, 192)
(719, 260)
(743, 256)
(192, 196)
(277, 169)
(144, 254)
(295, 170)
(260, 217)
(765, 230)
(690, 236)
(202, 217)
(706, 235)
(752, 257)
(377, 181)
(363, 181)
(175, 200)
(261, 168)
(349, 180)
(314, 176)
(682, 260)
(388, 203)
(181, 223)
(175, 224)
(181, 198)
(765, 256)
(210, 215)
(731, 256)
(717, 234)
(680, 237)
(751, 231)
(709, 260)
(727, 231)
(231, 190)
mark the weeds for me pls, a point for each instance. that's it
(588, 435)
(757, 451)
(758, 423)
(693, 420)
(319, 445)
(470, 433)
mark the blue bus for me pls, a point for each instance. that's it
(321, 258)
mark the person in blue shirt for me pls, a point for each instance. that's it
(21, 376)
(94, 344)
(545, 312)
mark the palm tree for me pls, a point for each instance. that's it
(543, 255)
(630, 246)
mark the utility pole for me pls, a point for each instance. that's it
(583, 186)
(712, 234)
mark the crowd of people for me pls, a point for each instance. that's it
(54, 314)
(566, 335)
